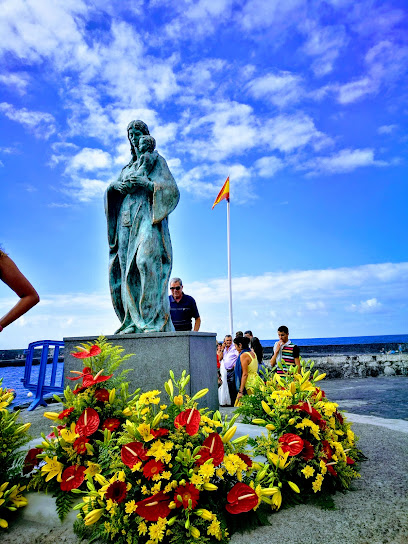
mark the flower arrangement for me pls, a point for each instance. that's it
(82, 431)
(310, 448)
(13, 435)
(176, 475)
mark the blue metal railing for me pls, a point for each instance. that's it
(39, 386)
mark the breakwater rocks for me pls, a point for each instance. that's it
(362, 366)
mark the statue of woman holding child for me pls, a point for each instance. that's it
(137, 206)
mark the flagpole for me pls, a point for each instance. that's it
(229, 266)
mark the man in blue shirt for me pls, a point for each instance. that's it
(183, 308)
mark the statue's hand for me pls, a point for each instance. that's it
(119, 186)
(141, 181)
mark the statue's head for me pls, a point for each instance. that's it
(135, 129)
(138, 125)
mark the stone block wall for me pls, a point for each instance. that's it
(362, 366)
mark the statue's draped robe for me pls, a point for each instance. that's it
(140, 254)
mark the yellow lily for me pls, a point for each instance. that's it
(277, 499)
(93, 516)
(279, 459)
(53, 467)
(69, 435)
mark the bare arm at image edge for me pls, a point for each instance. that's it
(197, 324)
(11, 276)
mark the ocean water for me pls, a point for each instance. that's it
(12, 376)
(345, 340)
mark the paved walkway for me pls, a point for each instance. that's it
(376, 512)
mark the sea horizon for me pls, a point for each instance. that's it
(345, 340)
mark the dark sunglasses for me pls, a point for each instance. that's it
(175, 288)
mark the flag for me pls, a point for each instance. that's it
(223, 194)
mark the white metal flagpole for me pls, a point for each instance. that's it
(229, 266)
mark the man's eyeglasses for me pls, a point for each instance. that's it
(175, 288)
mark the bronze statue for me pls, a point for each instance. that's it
(137, 206)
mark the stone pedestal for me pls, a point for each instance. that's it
(157, 353)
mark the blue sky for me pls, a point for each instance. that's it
(303, 104)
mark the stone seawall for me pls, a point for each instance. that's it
(362, 366)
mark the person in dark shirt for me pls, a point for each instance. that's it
(256, 345)
(183, 308)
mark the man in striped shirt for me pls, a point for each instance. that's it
(285, 351)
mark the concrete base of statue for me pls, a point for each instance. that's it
(154, 354)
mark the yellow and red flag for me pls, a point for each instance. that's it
(223, 194)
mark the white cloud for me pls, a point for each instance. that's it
(350, 92)
(268, 166)
(18, 81)
(89, 159)
(229, 127)
(345, 160)
(85, 189)
(387, 129)
(281, 89)
(325, 43)
(386, 62)
(289, 132)
(261, 303)
(40, 123)
(258, 14)
(366, 306)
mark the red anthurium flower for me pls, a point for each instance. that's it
(190, 419)
(157, 433)
(330, 468)
(72, 478)
(308, 450)
(89, 380)
(153, 467)
(112, 423)
(87, 370)
(291, 443)
(327, 449)
(187, 492)
(155, 507)
(133, 453)
(322, 424)
(52, 435)
(65, 413)
(247, 460)
(339, 417)
(102, 395)
(32, 461)
(117, 491)
(350, 461)
(306, 407)
(241, 498)
(212, 448)
(79, 444)
(84, 354)
(88, 422)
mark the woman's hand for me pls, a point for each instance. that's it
(12, 277)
